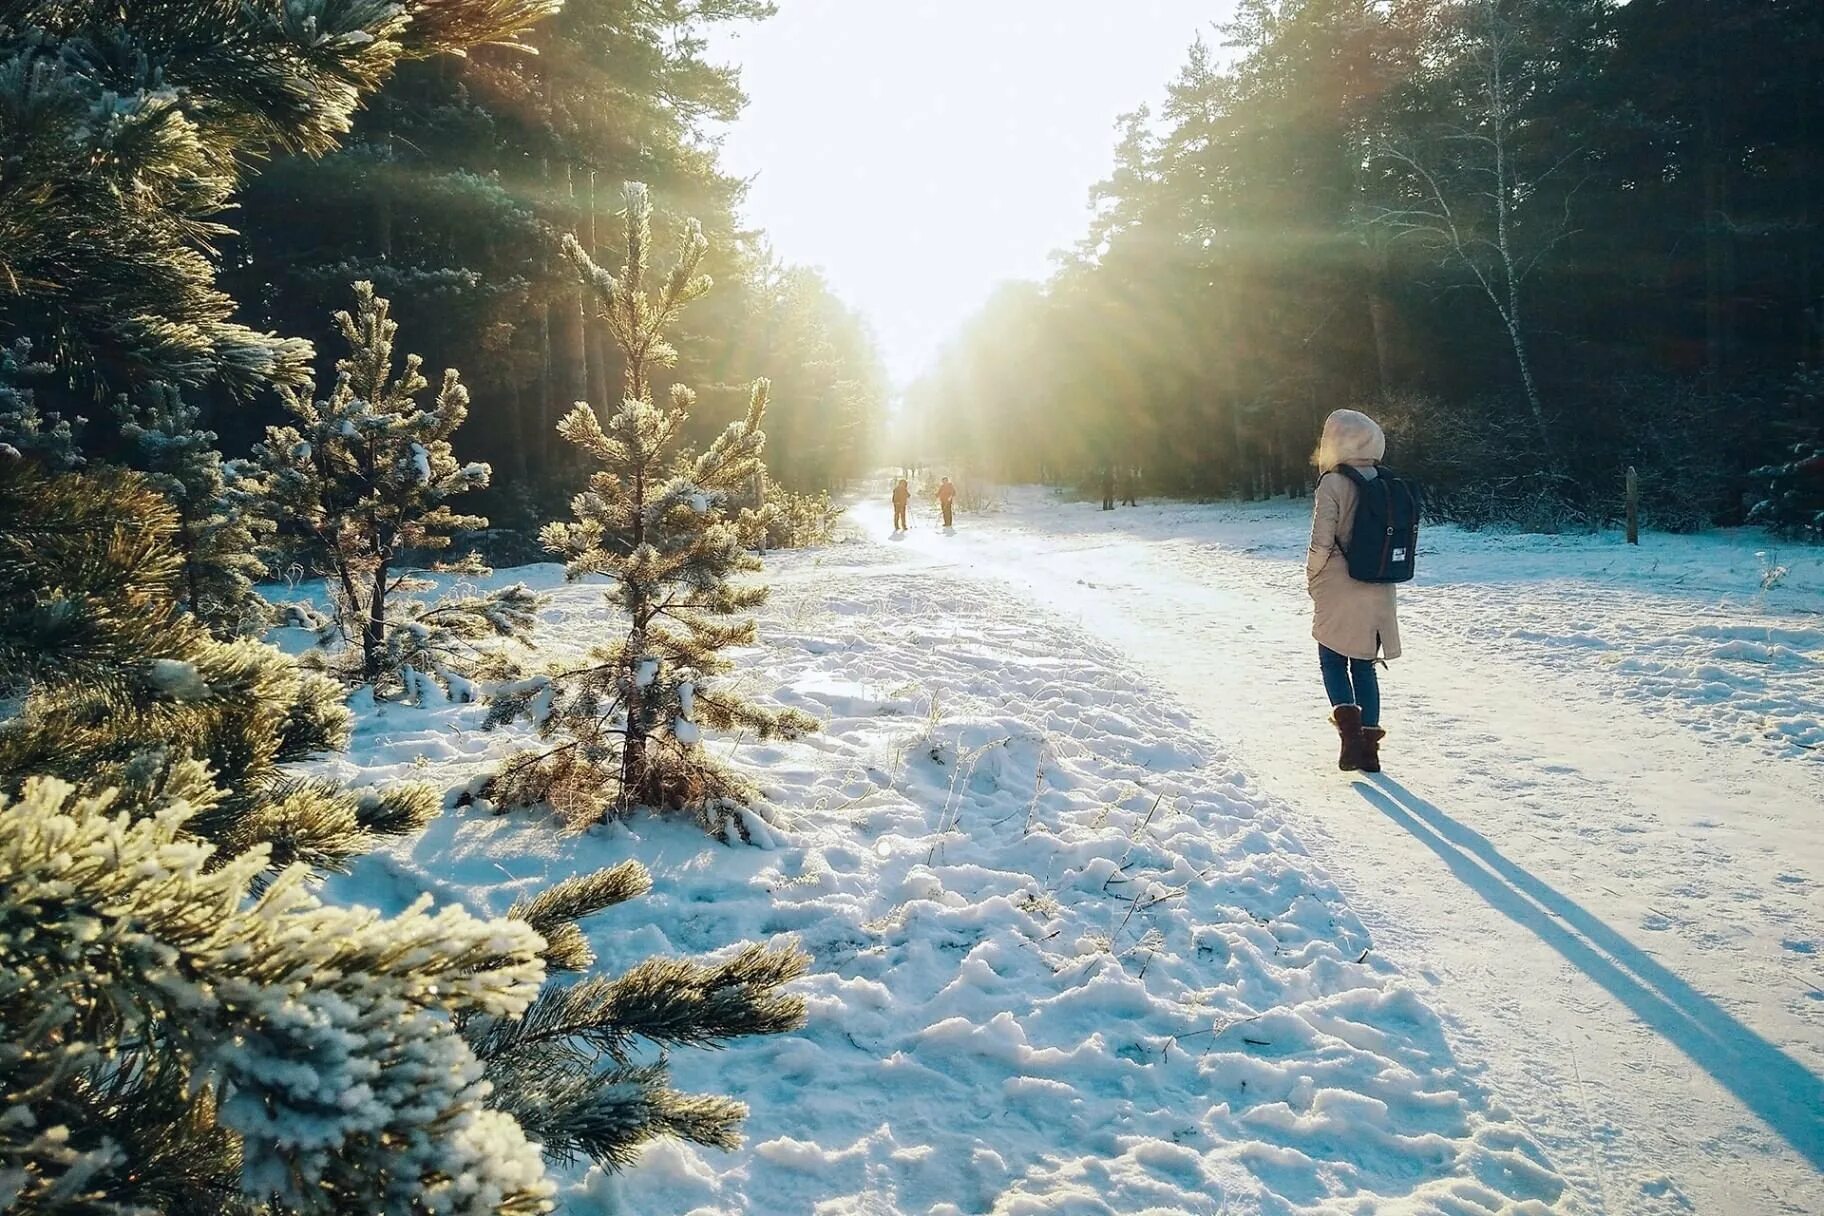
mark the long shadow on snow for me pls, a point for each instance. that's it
(1783, 1092)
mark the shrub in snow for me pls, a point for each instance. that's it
(797, 521)
(113, 686)
(1793, 503)
(660, 525)
(166, 1043)
(218, 522)
(365, 475)
(162, 1039)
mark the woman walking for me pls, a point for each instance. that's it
(1354, 623)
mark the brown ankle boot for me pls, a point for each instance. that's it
(1348, 722)
(1371, 748)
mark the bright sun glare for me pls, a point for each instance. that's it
(923, 153)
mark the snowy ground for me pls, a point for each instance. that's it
(1072, 956)
(1600, 841)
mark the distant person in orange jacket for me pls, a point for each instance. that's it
(946, 498)
(902, 497)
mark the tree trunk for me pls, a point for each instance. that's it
(1716, 254)
(595, 330)
(520, 428)
(575, 318)
(346, 577)
(1510, 271)
(1379, 321)
(547, 391)
(1522, 360)
(760, 501)
(373, 628)
(633, 746)
(548, 413)
(1811, 321)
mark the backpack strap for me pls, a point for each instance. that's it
(1351, 473)
(1347, 473)
(1381, 473)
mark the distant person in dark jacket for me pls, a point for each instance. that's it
(946, 498)
(1130, 485)
(1108, 488)
(902, 497)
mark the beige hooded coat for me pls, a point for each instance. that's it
(1355, 619)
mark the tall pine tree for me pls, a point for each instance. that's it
(662, 526)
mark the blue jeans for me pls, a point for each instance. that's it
(1351, 682)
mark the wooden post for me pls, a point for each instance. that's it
(1633, 506)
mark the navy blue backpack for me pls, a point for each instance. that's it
(1384, 547)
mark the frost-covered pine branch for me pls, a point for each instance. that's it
(573, 1067)
(219, 526)
(114, 687)
(317, 1044)
(25, 431)
(555, 911)
(130, 127)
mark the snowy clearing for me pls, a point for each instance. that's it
(1066, 959)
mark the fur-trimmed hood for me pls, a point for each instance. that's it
(1350, 437)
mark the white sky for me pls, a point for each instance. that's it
(921, 152)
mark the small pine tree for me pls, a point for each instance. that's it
(1794, 495)
(364, 477)
(218, 521)
(662, 526)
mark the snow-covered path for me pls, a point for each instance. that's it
(1601, 835)
(1065, 959)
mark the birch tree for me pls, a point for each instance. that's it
(1470, 174)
